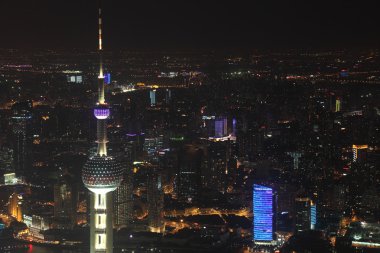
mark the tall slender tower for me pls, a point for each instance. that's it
(102, 173)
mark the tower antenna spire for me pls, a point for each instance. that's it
(100, 25)
(101, 99)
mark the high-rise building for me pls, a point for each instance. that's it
(152, 96)
(188, 183)
(102, 173)
(234, 124)
(65, 202)
(217, 165)
(313, 215)
(221, 127)
(264, 210)
(6, 160)
(155, 196)
(123, 196)
(338, 104)
(123, 200)
(15, 206)
(168, 96)
(296, 159)
(21, 124)
(305, 214)
(359, 152)
(153, 144)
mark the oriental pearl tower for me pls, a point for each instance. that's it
(102, 173)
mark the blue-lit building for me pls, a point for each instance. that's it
(313, 216)
(107, 78)
(305, 214)
(263, 214)
(152, 95)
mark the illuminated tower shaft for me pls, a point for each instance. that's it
(102, 136)
(101, 230)
(101, 113)
(102, 174)
(101, 99)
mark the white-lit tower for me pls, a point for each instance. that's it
(101, 173)
(296, 159)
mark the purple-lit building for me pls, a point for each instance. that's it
(220, 127)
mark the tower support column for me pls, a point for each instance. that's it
(101, 229)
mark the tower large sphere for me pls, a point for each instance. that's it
(102, 174)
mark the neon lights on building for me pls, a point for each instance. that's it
(101, 113)
(313, 215)
(262, 213)
(355, 151)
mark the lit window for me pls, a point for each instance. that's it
(100, 201)
(101, 242)
(101, 224)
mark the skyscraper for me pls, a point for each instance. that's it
(123, 200)
(189, 173)
(220, 127)
(15, 206)
(263, 214)
(306, 214)
(358, 152)
(152, 96)
(21, 119)
(102, 173)
(155, 196)
(123, 196)
(337, 104)
(217, 163)
(65, 201)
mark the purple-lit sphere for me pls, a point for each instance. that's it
(101, 113)
(102, 173)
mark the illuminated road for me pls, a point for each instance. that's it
(208, 211)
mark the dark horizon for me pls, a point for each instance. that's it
(174, 25)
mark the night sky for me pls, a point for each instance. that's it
(189, 24)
